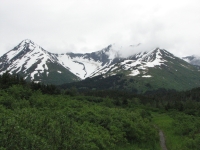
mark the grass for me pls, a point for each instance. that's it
(138, 147)
(164, 122)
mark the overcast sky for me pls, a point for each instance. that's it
(89, 25)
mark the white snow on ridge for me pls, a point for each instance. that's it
(146, 76)
(35, 54)
(134, 73)
(114, 68)
(145, 60)
(80, 66)
(157, 62)
(33, 74)
(130, 63)
(141, 54)
(13, 53)
(29, 60)
(101, 71)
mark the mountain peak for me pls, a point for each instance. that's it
(35, 63)
(27, 41)
(25, 45)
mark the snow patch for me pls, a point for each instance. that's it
(33, 74)
(134, 73)
(80, 66)
(157, 62)
(146, 76)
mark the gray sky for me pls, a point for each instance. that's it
(89, 25)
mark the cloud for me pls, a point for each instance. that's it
(84, 26)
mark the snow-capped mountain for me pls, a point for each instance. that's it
(36, 64)
(83, 65)
(24, 56)
(145, 71)
(137, 64)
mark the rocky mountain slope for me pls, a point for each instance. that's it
(145, 71)
(156, 68)
(38, 65)
(35, 64)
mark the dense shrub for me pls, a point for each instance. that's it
(32, 120)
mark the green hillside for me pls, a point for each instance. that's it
(57, 75)
(37, 116)
(174, 74)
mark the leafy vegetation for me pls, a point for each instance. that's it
(30, 119)
(38, 116)
(182, 131)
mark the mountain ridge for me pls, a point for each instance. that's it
(32, 62)
(146, 71)
(37, 64)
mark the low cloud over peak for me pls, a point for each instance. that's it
(62, 26)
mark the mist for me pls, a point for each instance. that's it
(61, 26)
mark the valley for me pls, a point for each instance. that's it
(38, 116)
(99, 75)
(98, 100)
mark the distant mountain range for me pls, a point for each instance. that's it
(151, 69)
(146, 71)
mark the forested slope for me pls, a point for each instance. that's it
(32, 119)
(38, 116)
